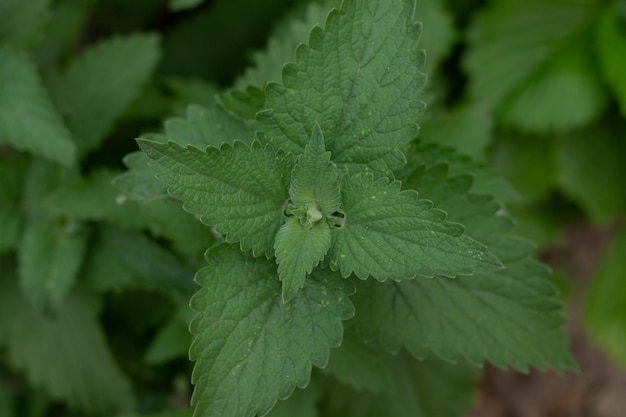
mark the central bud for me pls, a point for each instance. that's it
(313, 213)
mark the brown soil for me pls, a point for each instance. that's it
(598, 390)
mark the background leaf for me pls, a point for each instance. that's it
(605, 309)
(97, 87)
(87, 377)
(28, 119)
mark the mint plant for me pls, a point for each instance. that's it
(334, 218)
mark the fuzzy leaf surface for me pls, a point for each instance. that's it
(251, 348)
(359, 79)
(66, 353)
(511, 317)
(315, 178)
(98, 86)
(391, 234)
(239, 189)
(298, 250)
(28, 119)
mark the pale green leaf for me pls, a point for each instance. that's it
(65, 353)
(391, 234)
(591, 170)
(611, 44)
(299, 248)
(50, 255)
(511, 317)
(251, 348)
(28, 119)
(239, 189)
(417, 389)
(315, 179)
(605, 309)
(359, 79)
(97, 86)
(21, 21)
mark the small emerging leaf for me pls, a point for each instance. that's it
(298, 250)
(315, 178)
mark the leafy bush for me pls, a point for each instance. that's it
(338, 247)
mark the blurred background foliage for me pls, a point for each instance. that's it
(533, 89)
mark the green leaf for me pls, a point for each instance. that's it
(529, 59)
(303, 403)
(391, 234)
(417, 389)
(467, 128)
(66, 354)
(28, 120)
(315, 179)
(522, 35)
(98, 85)
(239, 189)
(12, 171)
(299, 249)
(591, 170)
(139, 182)
(50, 256)
(511, 317)
(361, 366)
(173, 339)
(90, 198)
(20, 21)
(8, 403)
(605, 309)
(121, 259)
(251, 348)
(611, 41)
(528, 161)
(203, 126)
(178, 5)
(269, 62)
(566, 94)
(359, 79)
